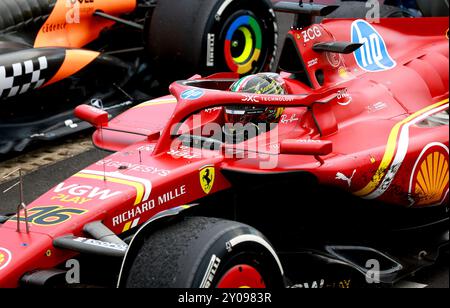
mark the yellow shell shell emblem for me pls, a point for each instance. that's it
(430, 179)
(207, 177)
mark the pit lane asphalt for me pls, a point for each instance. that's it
(40, 181)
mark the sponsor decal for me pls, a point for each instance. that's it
(81, 194)
(192, 94)
(341, 176)
(54, 27)
(285, 119)
(373, 56)
(429, 184)
(210, 272)
(132, 216)
(210, 61)
(19, 78)
(334, 59)
(133, 167)
(395, 153)
(147, 148)
(143, 186)
(376, 107)
(5, 258)
(207, 178)
(344, 99)
(313, 62)
(311, 34)
(48, 216)
(102, 244)
(310, 285)
(257, 98)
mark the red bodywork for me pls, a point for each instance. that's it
(366, 130)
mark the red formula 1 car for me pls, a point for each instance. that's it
(348, 187)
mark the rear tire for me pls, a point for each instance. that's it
(203, 252)
(191, 37)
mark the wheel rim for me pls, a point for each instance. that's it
(243, 44)
(242, 276)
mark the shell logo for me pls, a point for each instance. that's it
(429, 183)
(5, 258)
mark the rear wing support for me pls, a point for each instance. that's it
(305, 12)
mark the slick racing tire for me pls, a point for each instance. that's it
(203, 252)
(357, 9)
(207, 36)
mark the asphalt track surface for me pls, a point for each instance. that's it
(43, 179)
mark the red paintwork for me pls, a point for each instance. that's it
(367, 133)
(242, 276)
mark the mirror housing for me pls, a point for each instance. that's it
(96, 117)
(306, 147)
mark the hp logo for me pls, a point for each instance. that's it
(193, 94)
(373, 56)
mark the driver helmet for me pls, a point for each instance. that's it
(263, 83)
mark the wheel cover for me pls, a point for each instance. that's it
(242, 276)
(243, 44)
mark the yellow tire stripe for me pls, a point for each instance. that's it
(390, 151)
(138, 186)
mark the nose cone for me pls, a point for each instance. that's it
(20, 253)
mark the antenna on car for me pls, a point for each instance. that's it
(22, 205)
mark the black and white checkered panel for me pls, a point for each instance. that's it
(20, 77)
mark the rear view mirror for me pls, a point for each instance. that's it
(92, 115)
(306, 147)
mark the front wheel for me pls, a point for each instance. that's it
(203, 252)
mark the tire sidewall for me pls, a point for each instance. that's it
(223, 255)
(217, 25)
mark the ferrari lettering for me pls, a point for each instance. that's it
(85, 190)
(373, 56)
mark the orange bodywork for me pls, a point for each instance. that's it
(74, 61)
(72, 24)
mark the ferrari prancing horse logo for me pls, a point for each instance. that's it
(207, 177)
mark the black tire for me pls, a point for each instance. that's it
(433, 8)
(357, 9)
(199, 252)
(188, 37)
